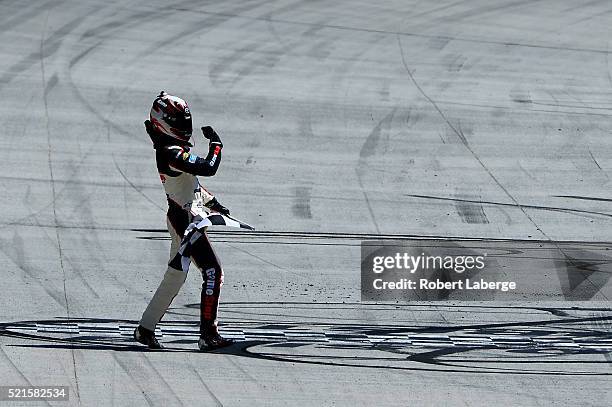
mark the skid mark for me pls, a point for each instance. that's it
(48, 47)
(471, 212)
(28, 15)
(371, 143)
(301, 204)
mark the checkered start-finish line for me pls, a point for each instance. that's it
(509, 338)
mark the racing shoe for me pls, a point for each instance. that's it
(213, 341)
(146, 337)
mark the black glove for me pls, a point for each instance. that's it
(150, 128)
(216, 206)
(152, 132)
(211, 135)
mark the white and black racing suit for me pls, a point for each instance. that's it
(178, 169)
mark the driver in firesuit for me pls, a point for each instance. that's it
(170, 128)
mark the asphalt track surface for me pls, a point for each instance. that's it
(342, 120)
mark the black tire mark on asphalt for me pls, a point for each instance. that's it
(471, 11)
(51, 83)
(71, 182)
(314, 235)
(434, 10)
(202, 26)
(526, 111)
(216, 69)
(352, 242)
(564, 26)
(446, 38)
(290, 6)
(470, 212)
(480, 10)
(56, 40)
(75, 60)
(53, 241)
(586, 198)
(125, 177)
(301, 203)
(123, 20)
(123, 364)
(42, 55)
(455, 62)
(340, 73)
(337, 79)
(82, 208)
(49, 47)
(368, 149)
(370, 144)
(135, 187)
(317, 27)
(19, 372)
(268, 60)
(519, 96)
(556, 104)
(607, 58)
(47, 88)
(305, 127)
(538, 207)
(320, 50)
(289, 358)
(206, 387)
(459, 133)
(164, 384)
(582, 6)
(596, 163)
(109, 124)
(27, 14)
(276, 266)
(15, 252)
(525, 171)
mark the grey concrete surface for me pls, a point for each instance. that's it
(341, 120)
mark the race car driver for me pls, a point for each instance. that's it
(170, 128)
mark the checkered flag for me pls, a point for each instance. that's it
(195, 230)
(217, 219)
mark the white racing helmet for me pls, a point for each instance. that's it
(171, 116)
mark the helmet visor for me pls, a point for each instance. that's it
(181, 125)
